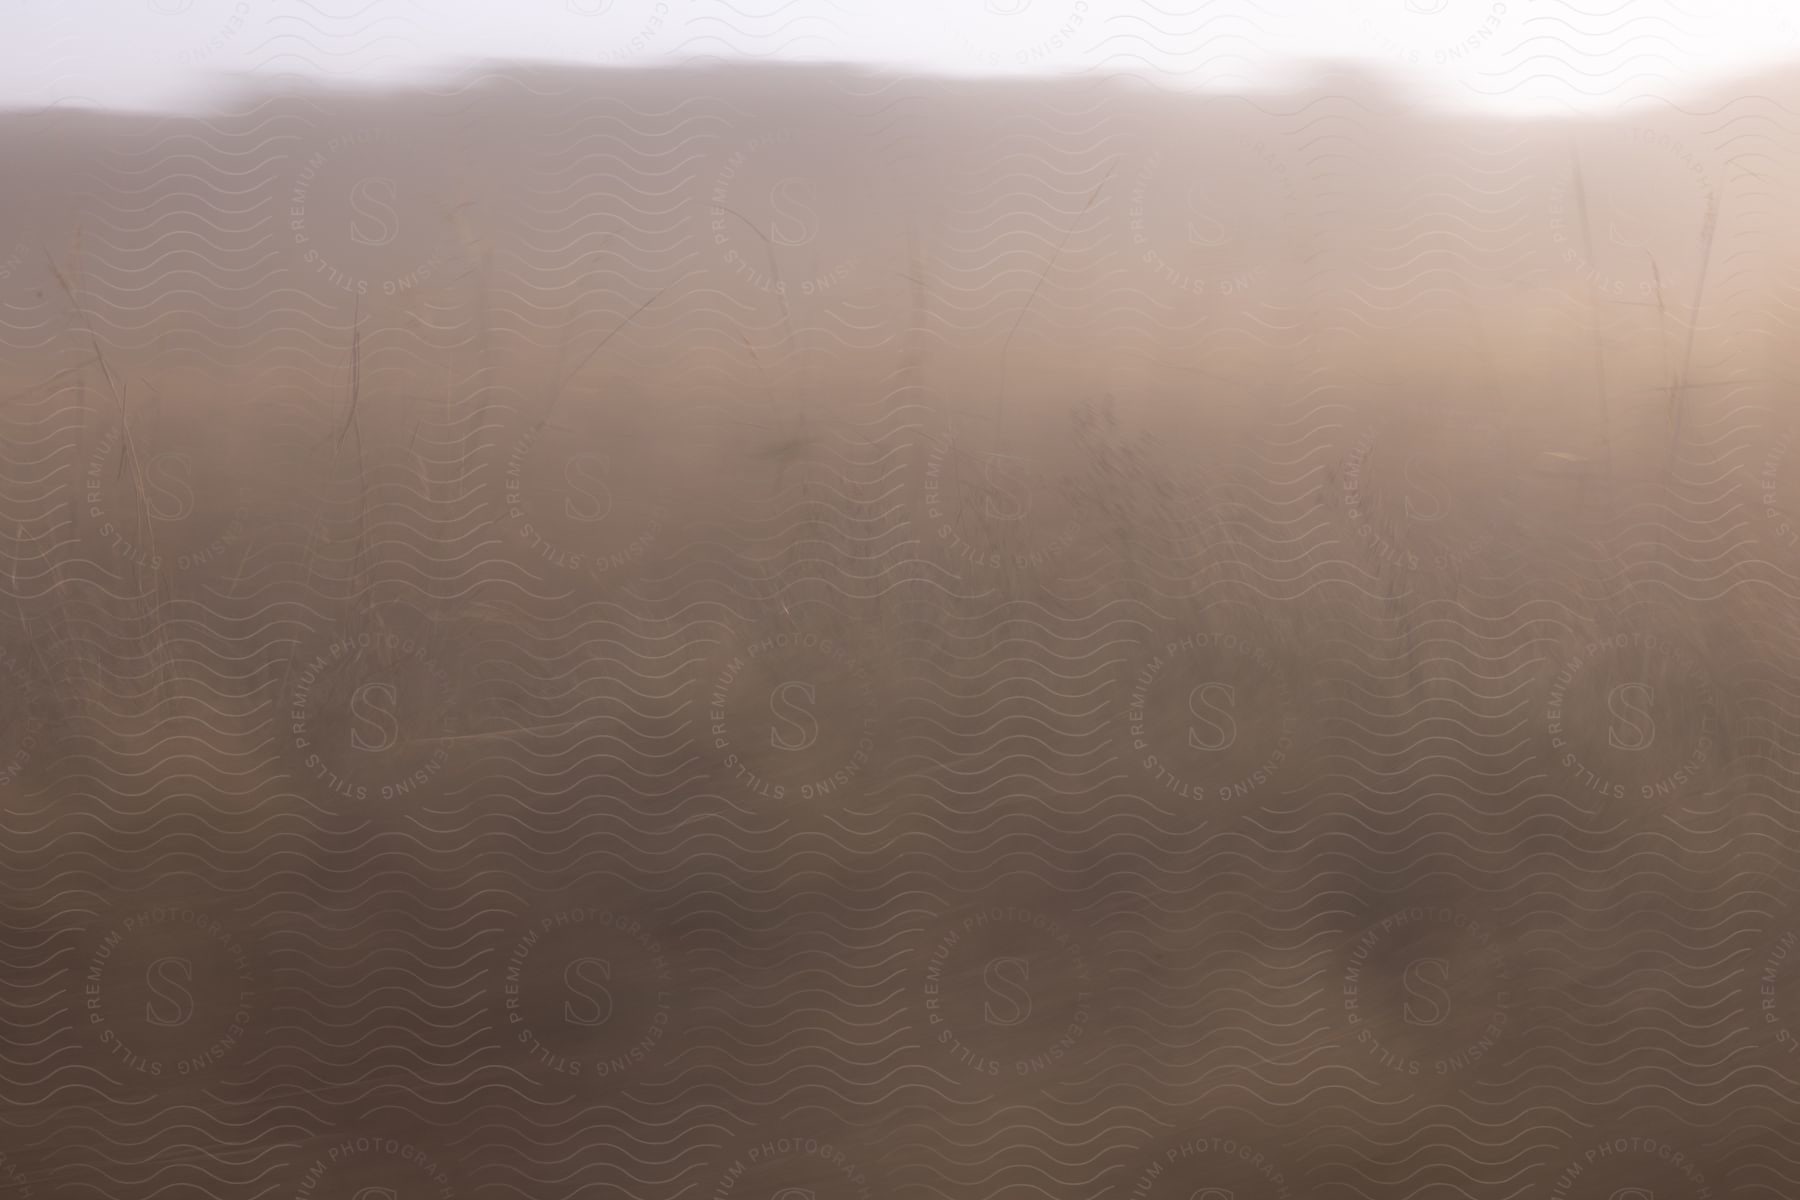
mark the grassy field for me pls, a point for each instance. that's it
(738, 630)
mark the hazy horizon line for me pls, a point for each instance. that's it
(1315, 77)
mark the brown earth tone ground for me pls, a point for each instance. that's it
(795, 633)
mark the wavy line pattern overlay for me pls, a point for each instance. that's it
(754, 631)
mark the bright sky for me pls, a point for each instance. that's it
(1544, 55)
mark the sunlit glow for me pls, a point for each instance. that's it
(1510, 55)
